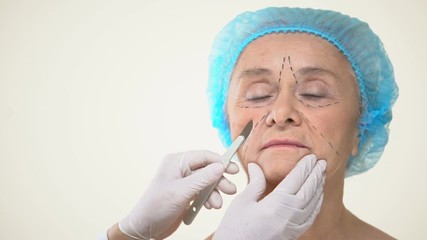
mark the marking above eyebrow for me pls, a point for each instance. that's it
(252, 72)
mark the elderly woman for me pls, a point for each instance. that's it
(314, 81)
(319, 88)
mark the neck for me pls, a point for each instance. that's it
(333, 220)
(333, 216)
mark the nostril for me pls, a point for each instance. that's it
(290, 120)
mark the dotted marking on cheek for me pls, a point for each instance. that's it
(244, 152)
(249, 137)
(318, 106)
(320, 133)
(258, 122)
(306, 104)
(241, 106)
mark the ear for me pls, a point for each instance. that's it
(356, 139)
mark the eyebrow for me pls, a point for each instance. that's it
(316, 70)
(253, 72)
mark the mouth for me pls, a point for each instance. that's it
(283, 143)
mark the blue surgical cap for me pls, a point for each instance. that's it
(362, 47)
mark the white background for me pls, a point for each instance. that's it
(94, 93)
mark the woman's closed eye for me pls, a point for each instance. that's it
(312, 95)
(259, 92)
(313, 90)
(258, 98)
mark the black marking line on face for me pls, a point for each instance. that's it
(260, 121)
(320, 133)
(318, 106)
(248, 139)
(244, 151)
(241, 106)
(292, 70)
(281, 70)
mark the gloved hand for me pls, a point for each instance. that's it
(286, 213)
(180, 177)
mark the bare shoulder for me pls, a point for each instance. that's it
(372, 232)
(209, 237)
(363, 230)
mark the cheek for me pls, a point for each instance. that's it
(335, 137)
(237, 123)
(239, 117)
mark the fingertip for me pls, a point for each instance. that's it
(207, 205)
(252, 167)
(255, 172)
(215, 200)
(322, 163)
(232, 168)
(232, 188)
(256, 185)
(226, 186)
(311, 158)
(308, 161)
(217, 168)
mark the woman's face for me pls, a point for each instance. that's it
(302, 97)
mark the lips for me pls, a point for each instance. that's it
(276, 143)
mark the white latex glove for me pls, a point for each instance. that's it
(179, 178)
(286, 213)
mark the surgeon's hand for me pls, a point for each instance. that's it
(286, 213)
(180, 177)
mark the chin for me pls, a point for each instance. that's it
(275, 173)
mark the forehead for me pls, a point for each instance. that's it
(303, 49)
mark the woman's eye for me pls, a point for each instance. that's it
(313, 91)
(259, 92)
(312, 95)
(258, 98)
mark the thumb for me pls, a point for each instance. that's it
(257, 183)
(202, 178)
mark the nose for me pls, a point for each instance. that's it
(284, 111)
